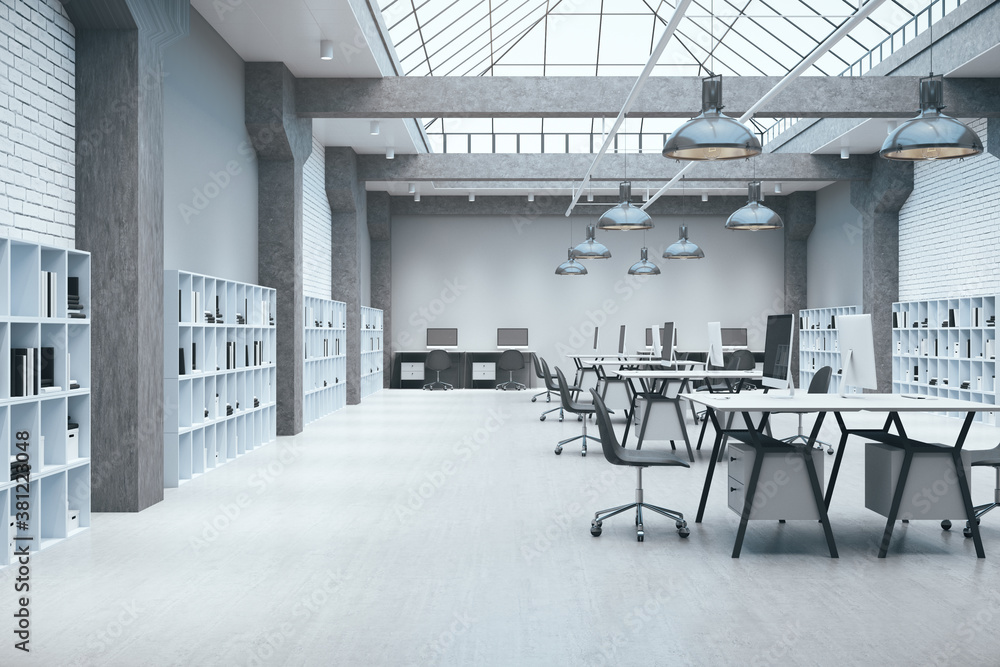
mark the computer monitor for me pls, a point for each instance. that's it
(595, 338)
(734, 337)
(857, 352)
(778, 352)
(437, 338)
(654, 341)
(668, 342)
(512, 338)
(621, 339)
(715, 344)
(649, 337)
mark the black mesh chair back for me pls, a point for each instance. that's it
(820, 383)
(437, 360)
(741, 360)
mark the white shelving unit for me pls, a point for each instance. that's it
(371, 351)
(946, 347)
(819, 345)
(35, 314)
(325, 369)
(220, 393)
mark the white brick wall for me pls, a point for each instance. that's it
(949, 228)
(316, 219)
(37, 122)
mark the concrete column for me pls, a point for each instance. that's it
(879, 201)
(348, 205)
(119, 219)
(380, 231)
(993, 137)
(799, 219)
(283, 143)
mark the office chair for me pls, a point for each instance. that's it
(986, 457)
(538, 374)
(437, 361)
(582, 410)
(617, 455)
(542, 370)
(740, 360)
(820, 384)
(510, 361)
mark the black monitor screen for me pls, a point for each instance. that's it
(668, 338)
(734, 337)
(442, 338)
(621, 339)
(512, 337)
(595, 337)
(649, 337)
(778, 346)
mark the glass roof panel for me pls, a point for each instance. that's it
(575, 41)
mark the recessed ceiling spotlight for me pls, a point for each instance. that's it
(777, 188)
(531, 197)
(412, 189)
(472, 196)
(325, 50)
(845, 153)
(390, 153)
(704, 196)
(374, 128)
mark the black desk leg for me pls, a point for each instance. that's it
(817, 489)
(963, 485)
(710, 414)
(897, 499)
(751, 488)
(631, 412)
(837, 459)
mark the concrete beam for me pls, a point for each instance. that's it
(522, 212)
(571, 167)
(119, 219)
(662, 97)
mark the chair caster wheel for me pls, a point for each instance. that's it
(560, 417)
(558, 450)
(579, 418)
(595, 528)
(946, 525)
(548, 400)
(681, 525)
(967, 532)
(639, 535)
(829, 451)
(684, 532)
(542, 418)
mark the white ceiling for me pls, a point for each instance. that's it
(986, 64)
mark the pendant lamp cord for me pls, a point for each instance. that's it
(930, 27)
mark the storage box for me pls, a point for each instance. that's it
(72, 444)
(932, 490)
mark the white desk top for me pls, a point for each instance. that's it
(757, 401)
(612, 355)
(691, 374)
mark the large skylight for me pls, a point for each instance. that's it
(615, 38)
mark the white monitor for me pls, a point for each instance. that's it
(442, 338)
(857, 352)
(715, 344)
(777, 372)
(655, 340)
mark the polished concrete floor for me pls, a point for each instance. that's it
(440, 529)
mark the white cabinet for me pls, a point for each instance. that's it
(411, 370)
(931, 492)
(819, 345)
(482, 370)
(372, 353)
(324, 374)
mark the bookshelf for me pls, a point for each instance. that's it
(819, 345)
(325, 365)
(946, 347)
(219, 372)
(371, 351)
(45, 311)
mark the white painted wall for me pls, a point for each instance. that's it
(949, 228)
(210, 169)
(316, 232)
(37, 123)
(480, 273)
(835, 258)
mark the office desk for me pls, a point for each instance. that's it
(655, 386)
(821, 404)
(479, 364)
(469, 369)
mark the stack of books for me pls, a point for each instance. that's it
(73, 305)
(32, 370)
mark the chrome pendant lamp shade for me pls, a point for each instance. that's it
(625, 216)
(644, 267)
(571, 267)
(683, 249)
(931, 135)
(754, 216)
(591, 248)
(711, 135)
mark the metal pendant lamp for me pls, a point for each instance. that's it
(571, 267)
(931, 135)
(683, 249)
(625, 216)
(591, 248)
(754, 216)
(711, 135)
(644, 267)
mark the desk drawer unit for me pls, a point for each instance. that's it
(931, 491)
(783, 488)
(410, 370)
(484, 370)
